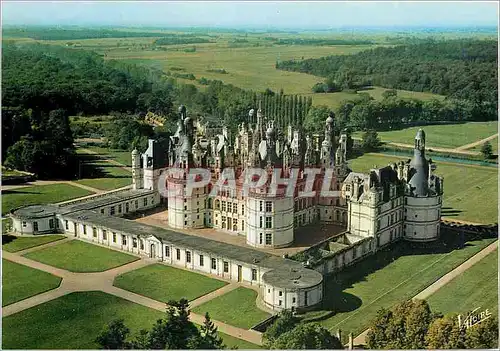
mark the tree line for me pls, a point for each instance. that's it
(464, 69)
(47, 33)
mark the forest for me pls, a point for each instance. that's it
(44, 83)
(47, 33)
(462, 69)
(176, 39)
(321, 42)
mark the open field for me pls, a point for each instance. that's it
(123, 157)
(494, 145)
(13, 243)
(164, 283)
(78, 256)
(445, 135)
(389, 277)
(237, 307)
(75, 320)
(476, 287)
(470, 192)
(40, 194)
(101, 174)
(21, 282)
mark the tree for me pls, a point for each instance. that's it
(487, 150)
(208, 339)
(114, 336)
(176, 331)
(285, 322)
(483, 335)
(370, 140)
(307, 336)
(444, 333)
(389, 93)
(315, 118)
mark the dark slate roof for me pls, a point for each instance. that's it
(419, 173)
(292, 277)
(35, 211)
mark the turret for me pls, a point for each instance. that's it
(137, 181)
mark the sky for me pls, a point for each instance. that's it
(296, 15)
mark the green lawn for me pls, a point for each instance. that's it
(101, 174)
(494, 145)
(164, 283)
(75, 320)
(13, 243)
(447, 136)
(476, 287)
(470, 191)
(123, 157)
(237, 307)
(21, 282)
(78, 256)
(389, 277)
(40, 194)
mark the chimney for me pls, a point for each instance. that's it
(351, 342)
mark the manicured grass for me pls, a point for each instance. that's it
(447, 136)
(123, 157)
(40, 194)
(78, 256)
(73, 321)
(13, 243)
(494, 145)
(476, 287)
(237, 307)
(389, 277)
(21, 282)
(101, 174)
(164, 283)
(470, 191)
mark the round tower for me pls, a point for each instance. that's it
(422, 204)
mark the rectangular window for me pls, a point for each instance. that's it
(260, 206)
(269, 206)
(214, 263)
(142, 244)
(223, 222)
(269, 222)
(145, 200)
(127, 207)
(120, 208)
(269, 238)
(124, 240)
(293, 299)
(188, 256)
(226, 267)
(260, 222)
(66, 225)
(134, 242)
(167, 251)
(242, 209)
(178, 252)
(201, 261)
(280, 302)
(235, 208)
(84, 229)
(24, 224)
(94, 232)
(51, 223)
(136, 204)
(229, 207)
(260, 238)
(104, 235)
(280, 293)
(242, 225)
(223, 206)
(235, 224)
(112, 210)
(114, 237)
(35, 226)
(254, 274)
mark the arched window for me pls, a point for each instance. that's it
(217, 204)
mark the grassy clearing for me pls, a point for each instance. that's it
(494, 145)
(470, 192)
(447, 136)
(237, 308)
(123, 157)
(100, 174)
(21, 282)
(13, 243)
(40, 194)
(78, 256)
(389, 277)
(75, 320)
(164, 283)
(476, 287)
(72, 321)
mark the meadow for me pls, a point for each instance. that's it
(470, 192)
(443, 135)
